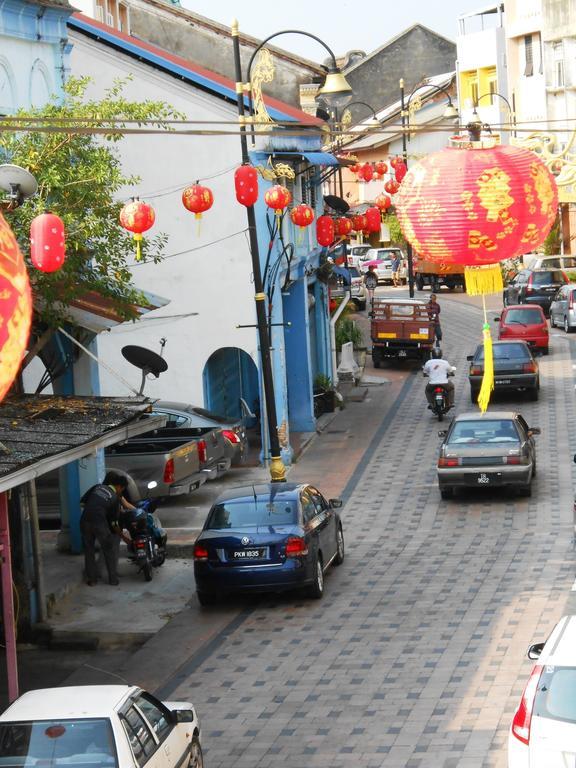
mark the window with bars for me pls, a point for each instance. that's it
(529, 56)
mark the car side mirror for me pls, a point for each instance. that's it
(497, 319)
(444, 432)
(535, 650)
(470, 358)
(183, 715)
(335, 503)
(534, 430)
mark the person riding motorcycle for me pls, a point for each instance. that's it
(438, 370)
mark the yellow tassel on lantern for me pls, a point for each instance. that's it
(483, 280)
(138, 239)
(488, 378)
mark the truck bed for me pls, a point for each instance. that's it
(400, 329)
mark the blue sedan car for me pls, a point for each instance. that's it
(268, 538)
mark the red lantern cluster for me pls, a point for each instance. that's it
(197, 199)
(47, 242)
(278, 198)
(302, 215)
(246, 185)
(137, 217)
(325, 230)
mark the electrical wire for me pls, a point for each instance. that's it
(192, 250)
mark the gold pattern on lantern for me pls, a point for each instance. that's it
(430, 211)
(478, 240)
(531, 234)
(468, 204)
(542, 186)
(494, 192)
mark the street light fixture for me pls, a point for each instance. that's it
(450, 112)
(476, 116)
(336, 92)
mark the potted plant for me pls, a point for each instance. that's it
(324, 395)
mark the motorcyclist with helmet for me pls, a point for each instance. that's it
(438, 370)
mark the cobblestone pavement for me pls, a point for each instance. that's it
(416, 655)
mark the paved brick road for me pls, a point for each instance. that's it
(415, 656)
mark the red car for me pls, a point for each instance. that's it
(524, 323)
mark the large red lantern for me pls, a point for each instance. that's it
(477, 206)
(137, 217)
(343, 226)
(367, 172)
(302, 215)
(373, 219)
(359, 222)
(278, 198)
(15, 307)
(246, 185)
(197, 199)
(47, 242)
(391, 186)
(325, 230)
(383, 202)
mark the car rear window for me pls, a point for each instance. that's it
(484, 431)
(528, 316)
(556, 694)
(209, 414)
(548, 277)
(52, 743)
(505, 352)
(247, 513)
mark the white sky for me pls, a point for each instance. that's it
(343, 24)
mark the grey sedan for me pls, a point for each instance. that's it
(489, 450)
(563, 308)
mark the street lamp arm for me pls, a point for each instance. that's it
(364, 104)
(437, 89)
(504, 99)
(290, 32)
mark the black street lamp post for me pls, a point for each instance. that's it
(336, 92)
(450, 112)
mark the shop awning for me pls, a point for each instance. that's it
(314, 158)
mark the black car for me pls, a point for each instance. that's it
(514, 369)
(271, 537)
(535, 286)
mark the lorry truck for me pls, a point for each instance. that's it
(436, 275)
(400, 329)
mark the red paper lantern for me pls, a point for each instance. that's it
(359, 222)
(383, 202)
(373, 219)
(343, 226)
(354, 168)
(197, 199)
(246, 184)
(380, 168)
(278, 198)
(137, 217)
(392, 186)
(394, 161)
(400, 171)
(477, 206)
(302, 215)
(325, 230)
(367, 172)
(47, 242)
(15, 307)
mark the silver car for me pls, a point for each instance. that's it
(563, 308)
(488, 450)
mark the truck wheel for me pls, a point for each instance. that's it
(434, 285)
(376, 362)
(419, 283)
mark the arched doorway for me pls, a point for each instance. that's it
(230, 376)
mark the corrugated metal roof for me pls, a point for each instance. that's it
(39, 433)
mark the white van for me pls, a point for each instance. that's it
(536, 261)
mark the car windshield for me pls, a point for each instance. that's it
(547, 277)
(50, 743)
(556, 695)
(247, 513)
(484, 431)
(528, 316)
(506, 352)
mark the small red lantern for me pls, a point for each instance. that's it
(325, 230)
(354, 168)
(394, 161)
(246, 184)
(383, 202)
(137, 217)
(302, 215)
(15, 307)
(381, 168)
(373, 219)
(392, 186)
(197, 199)
(278, 198)
(400, 171)
(359, 222)
(343, 226)
(367, 172)
(47, 242)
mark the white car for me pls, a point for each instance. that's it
(103, 726)
(543, 730)
(382, 259)
(354, 253)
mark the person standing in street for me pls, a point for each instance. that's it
(396, 262)
(434, 314)
(99, 523)
(371, 283)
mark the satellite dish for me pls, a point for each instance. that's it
(337, 203)
(145, 359)
(18, 183)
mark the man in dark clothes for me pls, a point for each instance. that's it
(434, 314)
(99, 523)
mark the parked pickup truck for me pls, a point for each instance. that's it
(179, 460)
(400, 329)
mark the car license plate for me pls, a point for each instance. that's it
(502, 381)
(248, 554)
(484, 479)
(402, 353)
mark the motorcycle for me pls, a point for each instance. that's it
(439, 402)
(147, 544)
